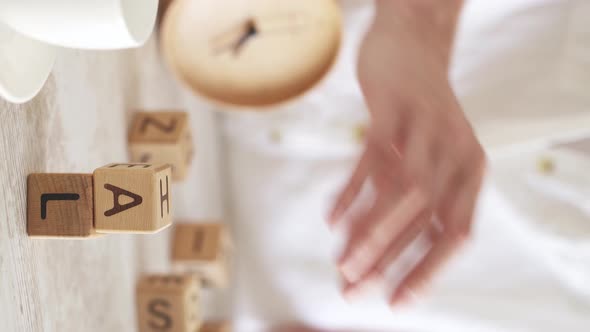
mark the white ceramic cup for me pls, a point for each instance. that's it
(86, 24)
(25, 65)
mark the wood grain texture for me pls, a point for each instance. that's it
(132, 198)
(162, 137)
(60, 205)
(202, 249)
(168, 303)
(216, 326)
(77, 123)
(158, 127)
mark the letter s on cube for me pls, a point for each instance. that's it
(168, 303)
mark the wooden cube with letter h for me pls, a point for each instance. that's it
(168, 303)
(162, 137)
(203, 249)
(60, 205)
(132, 198)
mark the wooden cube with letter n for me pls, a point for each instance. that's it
(132, 198)
(60, 205)
(203, 249)
(168, 303)
(162, 137)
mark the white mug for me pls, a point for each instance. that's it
(86, 24)
(25, 65)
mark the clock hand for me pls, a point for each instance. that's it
(235, 38)
(228, 39)
(251, 31)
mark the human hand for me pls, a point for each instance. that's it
(421, 156)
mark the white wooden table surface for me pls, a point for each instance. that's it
(78, 123)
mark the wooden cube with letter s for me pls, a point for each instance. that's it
(168, 303)
(203, 249)
(132, 198)
(162, 137)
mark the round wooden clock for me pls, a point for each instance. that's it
(251, 53)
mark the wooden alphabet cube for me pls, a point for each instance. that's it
(168, 303)
(217, 326)
(132, 198)
(203, 249)
(60, 205)
(162, 137)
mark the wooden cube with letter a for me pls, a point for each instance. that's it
(203, 249)
(168, 303)
(162, 137)
(132, 198)
(60, 205)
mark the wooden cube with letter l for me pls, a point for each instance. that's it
(162, 137)
(60, 205)
(132, 198)
(168, 303)
(203, 249)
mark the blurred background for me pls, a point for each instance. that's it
(521, 70)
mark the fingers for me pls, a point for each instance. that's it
(456, 206)
(444, 172)
(422, 274)
(363, 252)
(384, 168)
(359, 229)
(393, 251)
(351, 190)
(457, 215)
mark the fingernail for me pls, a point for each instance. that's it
(344, 272)
(402, 297)
(349, 273)
(346, 289)
(353, 290)
(332, 224)
(334, 214)
(373, 279)
(330, 218)
(349, 293)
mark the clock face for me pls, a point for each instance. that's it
(251, 52)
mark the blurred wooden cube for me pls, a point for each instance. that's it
(203, 249)
(168, 303)
(216, 326)
(132, 198)
(162, 137)
(60, 205)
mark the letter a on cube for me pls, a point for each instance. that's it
(132, 198)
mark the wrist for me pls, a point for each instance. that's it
(420, 7)
(430, 23)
